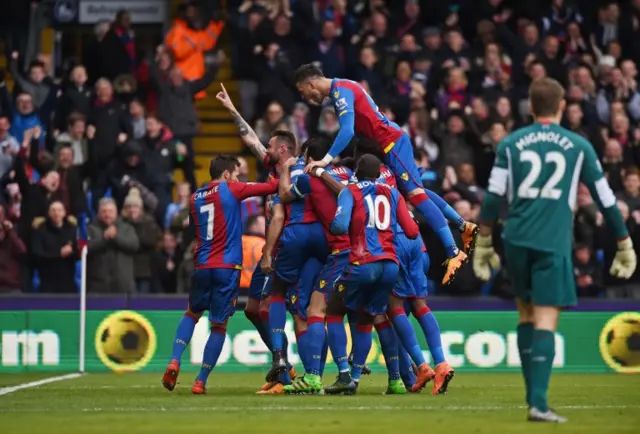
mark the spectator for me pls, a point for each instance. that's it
(455, 148)
(418, 129)
(248, 47)
(125, 88)
(76, 98)
(35, 85)
(12, 251)
(188, 39)
(300, 119)
(454, 94)
(479, 120)
(138, 121)
(400, 92)
(119, 47)
(112, 244)
(328, 52)
(368, 72)
(551, 59)
(9, 146)
(166, 263)
(617, 90)
(328, 124)
(272, 117)
(466, 184)
(274, 70)
(253, 242)
(74, 137)
(93, 56)
(587, 271)
(631, 193)
(25, 117)
(456, 52)
(432, 43)
(183, 194)
(54, 248)
(147, 233)
(613, 163)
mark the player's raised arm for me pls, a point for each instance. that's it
(340, 223)
(625, 261)
(333, 184)
(244, 190)
(343, 101)
(248, 136)
(405, 220)
(286, 189)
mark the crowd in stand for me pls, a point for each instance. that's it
(100, 143)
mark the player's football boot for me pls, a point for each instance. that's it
(292, 373)
(276, 389)
(305, 385)
(266, 386)
(278, 365)
(453, 265)
(366, 370)
(423, 376)
(444, 374)
(170, 377)
(469, 237)
(343, 385)
(536, 415)
(198, 388)
(395, 387)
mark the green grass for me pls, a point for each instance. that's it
(476, 403)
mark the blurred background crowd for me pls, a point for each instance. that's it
(102, 144)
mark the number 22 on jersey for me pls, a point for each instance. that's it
(526, 190)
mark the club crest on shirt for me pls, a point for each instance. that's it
(336, 94)
(404, 176)
(293, 299)
(323, 283)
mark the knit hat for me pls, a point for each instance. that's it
(133, 198)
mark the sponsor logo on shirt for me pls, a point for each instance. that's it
(341, 104)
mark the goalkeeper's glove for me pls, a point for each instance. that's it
(624, 263)
(485, 258)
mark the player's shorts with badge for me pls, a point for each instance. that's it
(215, 290)
(400, 160)
(544, 278)
(412, 281)
(331, 271)
(367, 287)
(260, 286)
(298, 243)
(299, 294)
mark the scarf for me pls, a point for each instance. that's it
(129, 46)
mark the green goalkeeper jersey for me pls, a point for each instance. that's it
(538, 169)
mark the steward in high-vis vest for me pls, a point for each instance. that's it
(189, 39)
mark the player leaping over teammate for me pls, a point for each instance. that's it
(358, 114)
(538, 169)
(214, 214)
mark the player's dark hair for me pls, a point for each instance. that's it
(348, 162)
(286, 137)
(307, 72)
(222, 163)
(368, 168)
(35, 64)
(631, 171)
(316, 148)
(368, 146)
(545, 95)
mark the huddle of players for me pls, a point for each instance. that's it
(338, 243)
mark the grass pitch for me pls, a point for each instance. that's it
(475, 403)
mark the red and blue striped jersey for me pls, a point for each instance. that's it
(358, 114)
(299, 210)
(369, 211)
(324, 203)
(215, 215)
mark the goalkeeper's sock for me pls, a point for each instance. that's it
(436, 220)
(212, 351)
(389, 345)
(337, 339)
(431, 331)
(525, 342)
(407, 335)
(277, 321)
(447, 210)
(543, 351)
(317, 337)
(361, 348)
(183, 334)
(261, 326)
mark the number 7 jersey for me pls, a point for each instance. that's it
(538, 168)
(214, 213)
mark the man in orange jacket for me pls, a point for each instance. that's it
(188, 40)
(252, 244)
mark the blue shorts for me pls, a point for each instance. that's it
(412, 282)
(299, 294)
(331, 271)
(260, 286)
(215, 290)
(298, 243)
(367, 287)
(400, 161)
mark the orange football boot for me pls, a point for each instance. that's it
(469, 237)
(277, 389)
(453, 266)
(198, 388)
(424, 374)
(444, 374)
(170, 377)
(266, 386)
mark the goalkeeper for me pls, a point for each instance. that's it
(538, 168)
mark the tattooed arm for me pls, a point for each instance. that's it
(248, 136)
